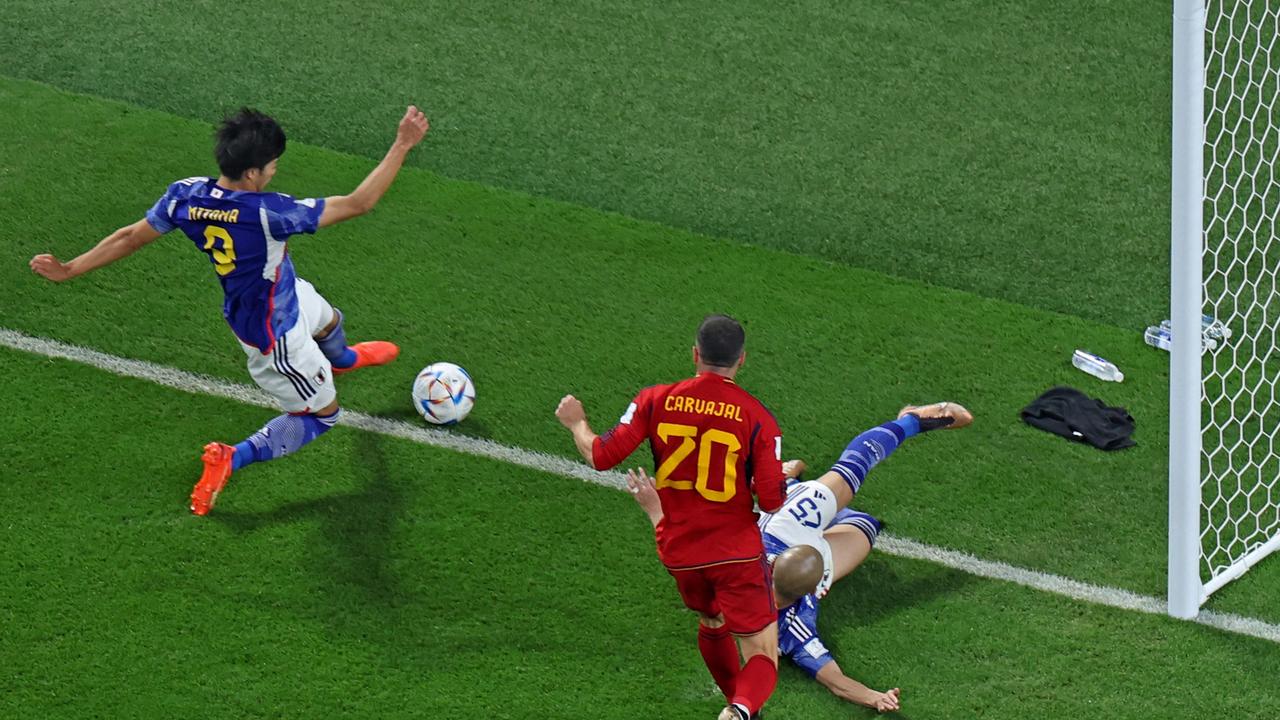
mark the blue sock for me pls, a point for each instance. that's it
(868, 449)
(334, 345)
(283, 435)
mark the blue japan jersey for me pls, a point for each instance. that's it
(245, 236)
(798, 635)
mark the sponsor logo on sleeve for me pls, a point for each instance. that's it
(628, 415)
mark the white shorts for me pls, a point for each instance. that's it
(295, 372)
(809, 510)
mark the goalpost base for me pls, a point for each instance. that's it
(1241, 566)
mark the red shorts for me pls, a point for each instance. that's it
(742, 591)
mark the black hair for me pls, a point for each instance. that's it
(720, 341)
(247, 139)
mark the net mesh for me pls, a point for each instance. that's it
(1240, 478)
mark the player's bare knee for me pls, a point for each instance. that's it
(328, 410)
(763, 643)
(768, 651)
(329, 326)
(711, 621)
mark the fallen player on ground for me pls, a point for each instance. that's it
(814, 541)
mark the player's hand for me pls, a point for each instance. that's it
(639, 482)
(793, 469)
(413, 127)
(889, 701)
(570, 411)
(50, 267)
(645, 493)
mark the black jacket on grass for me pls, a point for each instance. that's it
(1070, 413)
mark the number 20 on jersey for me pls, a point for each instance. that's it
(690, 441)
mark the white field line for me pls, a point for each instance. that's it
(891, 545)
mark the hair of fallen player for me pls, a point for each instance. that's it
(796, 573)
(720, 341)
(247, 139)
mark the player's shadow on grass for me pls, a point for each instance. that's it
(883, 587)
(355, 528)
(472, 426)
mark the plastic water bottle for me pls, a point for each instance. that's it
(1098, 367)
(1211, 327)
(1158, 337)
(1207, 339)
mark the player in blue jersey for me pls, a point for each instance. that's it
(814, 540)
(293, 338)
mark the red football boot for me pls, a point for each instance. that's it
(217, 469)
(369, 354)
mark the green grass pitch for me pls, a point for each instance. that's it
(371, 577)
(893, 233)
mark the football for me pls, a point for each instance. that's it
(443, 393)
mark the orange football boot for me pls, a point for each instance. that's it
(949, 415)
(217, 470)
(369, 354)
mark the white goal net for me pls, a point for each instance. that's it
(1239, 380)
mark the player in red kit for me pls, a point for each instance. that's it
(713, 445)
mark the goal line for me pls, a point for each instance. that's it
(556, 465)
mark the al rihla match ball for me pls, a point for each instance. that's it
(443, 393)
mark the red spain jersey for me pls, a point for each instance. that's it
(713, 443)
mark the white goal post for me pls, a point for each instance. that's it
(1224, 404)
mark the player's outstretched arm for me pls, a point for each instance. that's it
(121, 243)
(607, 451)
(413, 127)
(846, 688)
(573, 416)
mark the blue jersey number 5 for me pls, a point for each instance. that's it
(801, 513)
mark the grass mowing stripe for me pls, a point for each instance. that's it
(537, 298)
(903, 547)
(1016, 149)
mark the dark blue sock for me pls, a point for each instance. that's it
(245, 455)
(334, 345)
(283, 435)
(868, 449)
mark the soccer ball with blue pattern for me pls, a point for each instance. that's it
(443, 393)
